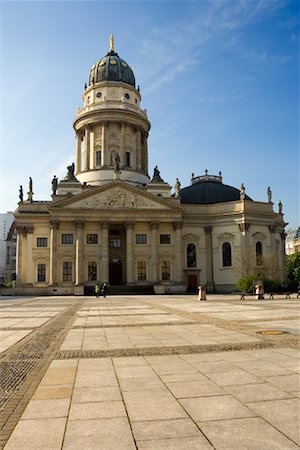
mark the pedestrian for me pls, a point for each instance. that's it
(103, 290)
(97, 290)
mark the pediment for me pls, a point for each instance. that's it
(116, 195)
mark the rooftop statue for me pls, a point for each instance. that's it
(156, 176)
(177, 188)
(54, 185)
(70, 175)
(30, 191)
(242, 192)
(269, 192)
(21, 194)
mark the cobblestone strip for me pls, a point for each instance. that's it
(23, 366)
(155, 351)
(157, 324)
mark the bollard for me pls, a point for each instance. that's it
(259, 291)
(201, 293)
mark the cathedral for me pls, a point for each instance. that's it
(108, 221)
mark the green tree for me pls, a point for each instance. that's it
(293, 269)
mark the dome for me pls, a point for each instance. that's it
(209, 189)
(111, 68)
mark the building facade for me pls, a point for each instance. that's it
(108, 221)
(6, 219)
(292, 241)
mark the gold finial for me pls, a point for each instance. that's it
(112, 43)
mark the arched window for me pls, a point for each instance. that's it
(258, 252)
(226, 253)
(191, 255)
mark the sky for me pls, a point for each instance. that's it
(219, 80)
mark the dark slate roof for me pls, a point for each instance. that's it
(207, 192)
(111, 68)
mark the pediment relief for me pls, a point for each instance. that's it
(258, 236)
(190, 238)
(116, 197)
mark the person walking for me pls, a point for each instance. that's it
(97, 290)
(103, 290)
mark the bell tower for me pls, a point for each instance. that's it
(111, 127)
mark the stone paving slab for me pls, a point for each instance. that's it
(216, 399)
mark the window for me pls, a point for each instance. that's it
(141, 271)
(42, 242)
(7, 255)
(115, 243)
(127, 159)
(92, 238)
(191, 255)
(226, 253)
(92, 271)
(41, 273)
(165, 270)
(141, 239)
(98, 158)
(127, 96)
(67, 271)
(258, 252)
(165, 239)
(67, 238)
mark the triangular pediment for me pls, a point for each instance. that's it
(115, 195)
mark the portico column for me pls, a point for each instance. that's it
(78, 153)
(129, 251)
(87, 149)
(154, 251)
(210, 285)
(29, 260)
(178, 252)
(54, 225)
(79, 224)
(105, 252)
(19, 254)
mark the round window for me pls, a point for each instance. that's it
(127, 96)
(99, 94)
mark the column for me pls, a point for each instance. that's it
(79, 224)
(87, 149)
(122, 144)
(54, 225)
(29, 259)
(78, 152)
(178, 251)
(138, 149)
(105, 252)
(92, 149)
(245, 259)
(19, 254)
(210, 285)
(104, 156)
(146, 152)
(154, 250)
(129, 251)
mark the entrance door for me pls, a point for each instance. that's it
(192, 284)
(115, 272)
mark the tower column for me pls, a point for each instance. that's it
(54, 225)
(78, 152)
(129, 251)
(87, 149)
(104, 156)
(105, 251)
(154, 251)
(122, 144)
(79, 252)
(138, 149)
(178, 255)
(210, 285)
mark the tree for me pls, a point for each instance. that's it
(293, 269)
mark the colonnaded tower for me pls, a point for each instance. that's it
(111, 128)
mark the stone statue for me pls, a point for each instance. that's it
(177, 187)
(279, 207)
(242, 192)
(54, 185)
(21, 194)
(30, 191)
(269, 192)
(156, 175)
(70, 175)
(111, 43)
(117, 163)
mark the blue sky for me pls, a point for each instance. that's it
(219, 80)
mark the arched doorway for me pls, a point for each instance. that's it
(115, 272)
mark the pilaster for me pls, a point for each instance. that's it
(129, 251)
(79, 224)
(178, 252)
(54, 226)
(105, 251)
(154, 250)
(210, 285)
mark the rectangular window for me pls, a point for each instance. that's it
(115, 243)
(67, 271)
(41, 273)
(8, 255)
(165, 239)
(166, 271)
(42, 242)
(92, 271)
(67, 238)
(92, 238)
(98, 158)
(127, 159)
(141, 271)
(141, 239)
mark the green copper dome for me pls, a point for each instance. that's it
(111, 68)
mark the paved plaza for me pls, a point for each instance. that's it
(149, 373)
